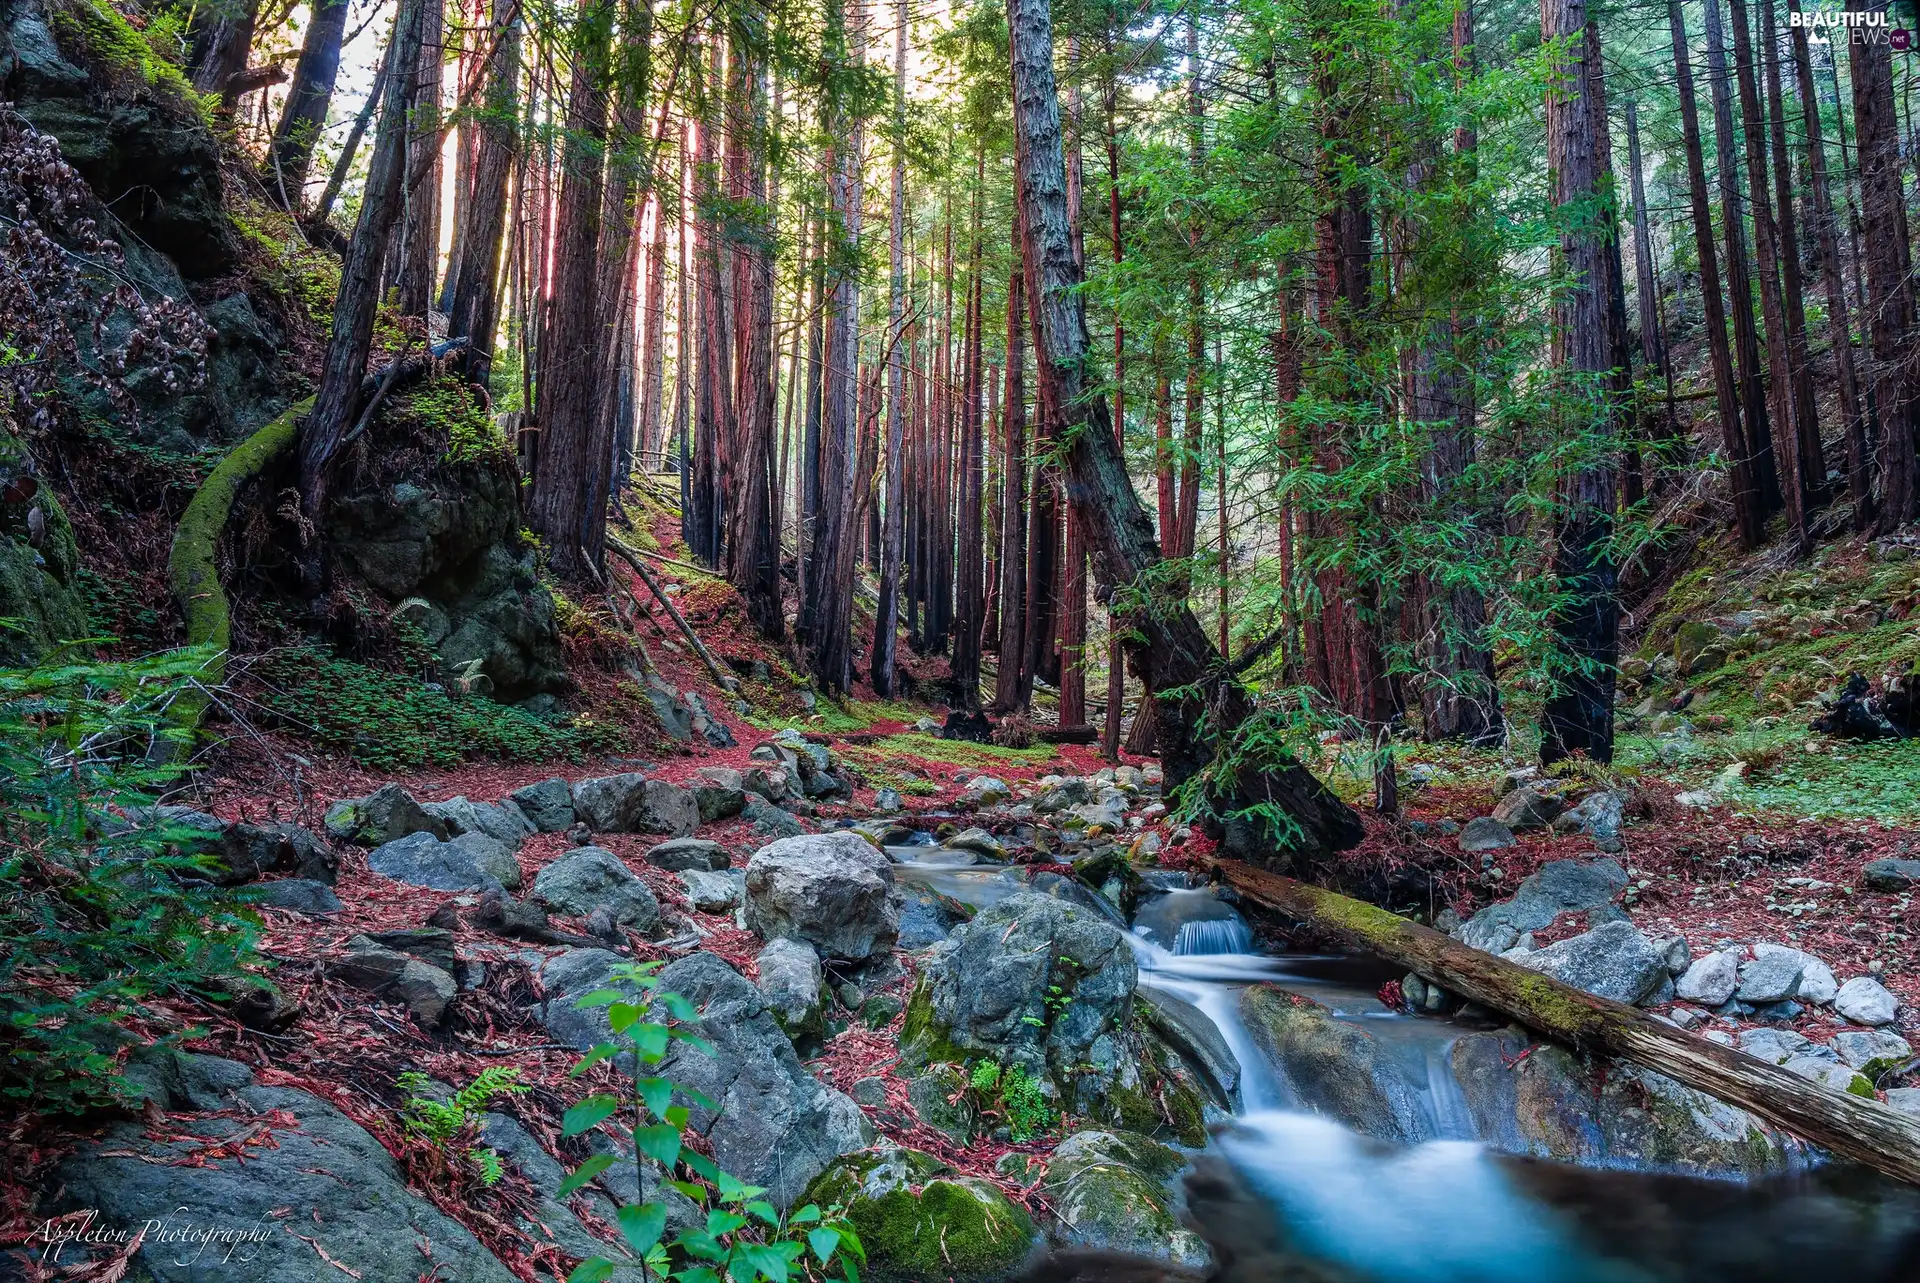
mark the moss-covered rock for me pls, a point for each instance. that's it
(941, 1098)
(1335, 1068)
(40, 601)
(919, 1222)
(1113, 1190)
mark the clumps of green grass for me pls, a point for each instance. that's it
(127, 58)
(932, 748)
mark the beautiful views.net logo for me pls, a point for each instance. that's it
(1823, 26)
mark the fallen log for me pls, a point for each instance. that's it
(631, 556)
(1852, 1126)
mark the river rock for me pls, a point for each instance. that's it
(591, 877)
(833, 890)
(996, 986)
(977, 840)
(299, 895)
(1710, 980)
(1563, 886)
(635, 803)
(720, 793)
(1191, 1033)
(247, 851)
(985, 790)
(1874, 1050)
(1830, 1074)
(1541, 1099)
(1890, 875)
(942, 1099)
(1778, 1046)
(1529, 807)
(321, 1175)
(1108, 816)
(773, 1124)
(469, 863)
(1485, 834)
(794, 987)
(1865, 1001)
(774, 783)
(507, 824)
(927, 916)
(1904, 1099)
(1770, 977)
(1601, 815)
(1614, 960)
(547, 805)
(712, 892)
(920, 1221)
(769, 820)
(1817, 982)
(682, 854)
(1110, 1191)
(382, 816)
(1335, 1068)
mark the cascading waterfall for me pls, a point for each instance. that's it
(1221, 935)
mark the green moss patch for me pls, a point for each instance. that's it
(917, 1221)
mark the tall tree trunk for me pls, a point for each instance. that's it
(713, 422)
(653, 337)
(886, 620)
(1826, 229)
(969, 572)
(831, 636)
(1889, 297)
(1646, 281)
(308, 95)
(1746, 336)
(568, 503)
(1176, 653)
(1196, 372)
(1116, 663)
(1013, 683)
(343, 166)
(475, 294)
(1749, 518)
(1578, 715)
(222, 37)
(417, 272)
(336, 403)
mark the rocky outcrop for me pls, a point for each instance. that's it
(918, 1220)
(835, 891)
(1564, 886)
(372, 1225)
(1113, 1191)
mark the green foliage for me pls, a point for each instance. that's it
(442, 1122)
(448, 410)
(100, 906)
(130, 60)
(1014, 1096)
(743, 1238)
(390, 721)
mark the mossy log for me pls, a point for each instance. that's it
(191, 572)
(1863, 1130)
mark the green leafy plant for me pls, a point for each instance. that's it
(1013, 1095)
(744, 1238)
(442, 1122)
(103, 900)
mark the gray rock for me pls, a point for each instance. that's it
(793, 985)
(870, 1092)
(719, 791)
(635, 803)
(1189, 1031)
(988, 989)
(564, 980)
(547, 805)
(492, 857)
(833, 890)
(712, 892)
(1112, 1191)
(386, 972)
(1830, 1074)
(300, 895)
(1865, 1001)
(424, 990)
(1108, 816)
(1613, 960)
(1862, 1048)
(769, 820)
(1778, 1046)
(177, 1080)
(1890, 875)
(1334, 1067)
(372, 1223)
(682, 854)
(886, 800)
(775, 1125)
(985, 790)
(1710, 980)
(1528, 807)
(1677, 953)
(941, 1098)
(1484, 833)
(772, 782)
(384, 815)
(553, 1222)
(1564, 886)
(978, 841)
(506, 824)
(247, 851)
(926, 916)
(1771, 977)
(1601, 816)
(1817, 982)
(423, 860)
(591, 877)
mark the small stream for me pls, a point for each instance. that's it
(1450, 1209)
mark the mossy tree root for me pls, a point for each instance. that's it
(1863, 1130)
(191, 573)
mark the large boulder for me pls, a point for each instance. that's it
(1111, 1191)
(1564, 886)
(791, 981)
(591, 877)
(1033, 983)
(501, 823)
(1891, 875)
(635, 803)
(1334, 1067)
(719, 792)
(1529, 807)
(918, 1220)
(769, 1121)
(683, 854)
(1614, 960)
(349, 1202)
(1710, 980)
(1865, 1001)
(547, 806)
(384, 815)
(469, 863)
(833, 890)
(249, 850)
(769, 820)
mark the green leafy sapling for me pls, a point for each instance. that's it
(744, 1238)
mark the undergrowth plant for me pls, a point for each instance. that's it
(443, 1122)
(102, 907)
(744, 1238)
(1013, 1095)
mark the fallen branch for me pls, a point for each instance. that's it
(632, 557)
(1863, 1130)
